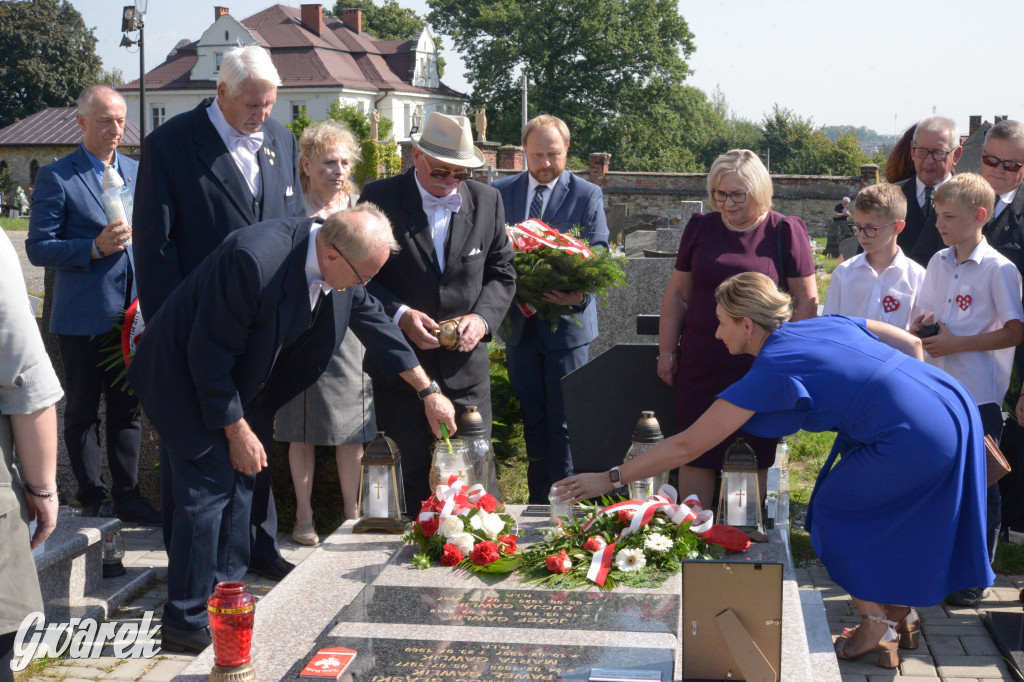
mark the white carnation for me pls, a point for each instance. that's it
(476, 522)
(464, 541)
(451, 525)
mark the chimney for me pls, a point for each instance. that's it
(974, 125)
(353, 18)
(313, 18)
(218, 12)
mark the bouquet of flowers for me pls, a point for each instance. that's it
(546, 259)
(20, 200)
(464, 527)
(639, 543)
(119, 345)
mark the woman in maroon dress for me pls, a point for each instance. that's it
(743, 234)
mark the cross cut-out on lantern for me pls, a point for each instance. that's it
(739, 499)
(381, 490)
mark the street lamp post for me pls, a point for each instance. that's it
(132, 19)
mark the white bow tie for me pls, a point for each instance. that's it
(252, 142)
(452, 202)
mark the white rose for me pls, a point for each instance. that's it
(451, 525)
(476, 522)
(493, 526)
(464, 541)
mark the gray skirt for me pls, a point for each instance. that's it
(337, 409)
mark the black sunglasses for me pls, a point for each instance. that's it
(995, 162)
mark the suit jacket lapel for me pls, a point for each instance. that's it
(83, 166)
(558, 195)
(460, 227)
(267, 156)
(416, 220)
(215, 156)
(520, 188)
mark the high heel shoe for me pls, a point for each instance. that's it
(909, 630)
(887, 647)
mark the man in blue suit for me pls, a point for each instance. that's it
(537, 355)
(205, 173)
(252, 327)
(68, 231)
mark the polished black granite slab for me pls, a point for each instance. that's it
(383, 659)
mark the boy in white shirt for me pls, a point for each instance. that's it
(881, 283)
(973, 294)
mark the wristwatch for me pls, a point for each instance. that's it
(432, 388)
(614, 475)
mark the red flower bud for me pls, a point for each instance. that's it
(626, 515)
(558, 563)
(594, 543)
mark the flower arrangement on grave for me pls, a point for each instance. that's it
(637, 543)
(546, 259)
(20, 200)
(464, 527)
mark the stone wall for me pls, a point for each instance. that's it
(19, 158)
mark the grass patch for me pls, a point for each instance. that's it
(14, 224)
(1009, 559)
(807, 454)
(40, 667)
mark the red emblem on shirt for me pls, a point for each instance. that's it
(963, 301)
(890, 304)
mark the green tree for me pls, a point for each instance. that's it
(601, 65)
(390, 21)
(786, 135)
(113, 78)
(47, 57)
(358, 122)
(300, 123)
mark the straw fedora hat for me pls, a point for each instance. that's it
(449, 140)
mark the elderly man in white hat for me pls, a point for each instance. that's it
(455, 264)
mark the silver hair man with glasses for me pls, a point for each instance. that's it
(1002, 165)
(455, 264)
(935, 151)
(252, 327)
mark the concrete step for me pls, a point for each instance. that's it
(70, 570)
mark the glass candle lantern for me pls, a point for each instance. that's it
(646, 434)
(381, 490)
(739, 499)
(480, 455)
(232, 610)
(450, 460)
(113, 546)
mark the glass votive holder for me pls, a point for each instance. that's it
(557, 508)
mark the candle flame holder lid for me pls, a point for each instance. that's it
(448, 335)
(647, 430)
(471, 423)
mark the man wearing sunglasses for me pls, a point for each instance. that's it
(1002, 165)
(935, 151)
(455, 263)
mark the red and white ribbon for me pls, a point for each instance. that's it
(534, 234)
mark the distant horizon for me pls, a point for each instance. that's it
(823, 61)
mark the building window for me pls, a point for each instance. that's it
(218, 57)
(33, 168)
(159, 116)
(297, 108)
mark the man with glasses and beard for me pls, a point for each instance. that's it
(455, 264)
(935, 151)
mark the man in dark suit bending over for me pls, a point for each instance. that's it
(252, 327)
(455, 264)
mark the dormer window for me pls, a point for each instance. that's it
(218, 57)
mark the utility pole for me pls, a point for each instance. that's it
(524, 97)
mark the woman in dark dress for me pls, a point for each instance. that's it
(742, 234)
(899, 521)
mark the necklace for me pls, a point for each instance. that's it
(744, 229)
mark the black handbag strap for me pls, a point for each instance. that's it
(779, 268)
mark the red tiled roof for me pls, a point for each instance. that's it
(57, 126)
(338, 57)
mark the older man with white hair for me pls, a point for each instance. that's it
(205, 173)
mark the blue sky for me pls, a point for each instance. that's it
(880, 63)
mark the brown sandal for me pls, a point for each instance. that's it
(887, 647)
(909, 630)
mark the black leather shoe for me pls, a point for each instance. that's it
(184, 641)
(133, 509)
(969, 597)
(92, 509)
(276, 569)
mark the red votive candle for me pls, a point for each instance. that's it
(232, 611)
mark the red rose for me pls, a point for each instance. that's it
(451, 556)
(558, 563)
(594, 543)
(508, 542)
(429, 527)
(485, 553)
(626, 515)
(487, 503)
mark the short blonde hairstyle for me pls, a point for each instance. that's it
(357, 241)
(322, 138)
(754, 295)
(546, 121)
(969, 190)
(751, 171)
(884, 198)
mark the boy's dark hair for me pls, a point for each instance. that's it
(968, 189)
(884, 198)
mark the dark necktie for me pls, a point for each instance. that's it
(537, 205)
(929, 202)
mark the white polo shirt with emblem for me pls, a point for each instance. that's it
(856, 290)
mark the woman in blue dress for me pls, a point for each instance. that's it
(899, 522)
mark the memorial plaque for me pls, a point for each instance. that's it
(609, 611)
(392, 660)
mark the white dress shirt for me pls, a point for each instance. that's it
(1002, 201)
(246, 160)
(314, 278)
(856, 290)
(921, 187)
(532, 190)
(977, 296)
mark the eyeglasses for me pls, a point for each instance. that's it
(362, 281)
(446, 172)
(995, 162)
(721, 197)
(870, 231)
(920, 153)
